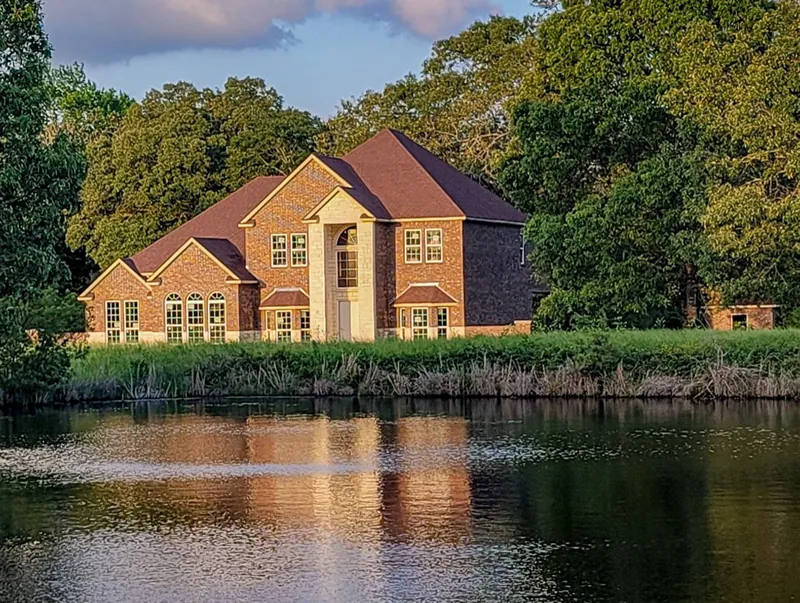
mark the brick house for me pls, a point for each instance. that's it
(388, 241)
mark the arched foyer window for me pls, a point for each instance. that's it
(196, 318)
(347, 258)
(217, 319)
(173, 317)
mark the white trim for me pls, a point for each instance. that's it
(247, 222)
(272, 250)
(291, 249)
(440, 245)
(406, 246)
(182, 325)
(125, 303)
(233, 280)
(311, 217)
(86, 295)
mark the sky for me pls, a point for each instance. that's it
(314, 52)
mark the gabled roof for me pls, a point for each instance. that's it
(410, 182)
(424, 295)
(125, 263)
(220, 221)
(221, 251)
(286, 298)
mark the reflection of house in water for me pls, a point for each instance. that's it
(354, 479)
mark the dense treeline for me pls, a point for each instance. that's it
(655, 145)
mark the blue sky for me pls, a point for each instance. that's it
(314, 52)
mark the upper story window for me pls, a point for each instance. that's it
(413, 247)
(347, 259)
(280, 251)
(299, 250)
(434, 253)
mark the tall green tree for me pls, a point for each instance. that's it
(39, 183)
(458, 107)
(744, 88)
(613, 179)
(176, 153)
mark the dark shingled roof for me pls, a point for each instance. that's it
(410, 182)
(220, 221)
(424, 295)
(286, 298)
(227, 253)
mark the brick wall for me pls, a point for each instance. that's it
(758, 317)
(449, 273)
(284, 215)
(120, 285)
(499, 289)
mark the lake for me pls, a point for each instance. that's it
(379, 501)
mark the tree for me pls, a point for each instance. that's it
(459, 106)
(613, 180)
(176, 153)
(39, 183)
(744, 89)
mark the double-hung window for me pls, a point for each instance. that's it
(131, 322)
(442, 323)
(195, 313)
(305, 326)
(113, 324)
(280, 251)
(413, 246)
(174, 318)
(434, 253)
(419, 323)
(283, 320)
(217, 318)
(299, 250)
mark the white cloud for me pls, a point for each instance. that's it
(104, 31)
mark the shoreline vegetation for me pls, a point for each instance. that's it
(696, 365)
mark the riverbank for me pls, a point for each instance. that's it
(625, 364)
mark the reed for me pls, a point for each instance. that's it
(625, 364)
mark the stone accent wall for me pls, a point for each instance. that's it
(522, 327)
(449, 274)
(284, 215)
(758, 317)
(499, 289)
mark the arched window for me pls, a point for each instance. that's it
(217, 319)
(347, 258)
(196, 318)
(174, 318)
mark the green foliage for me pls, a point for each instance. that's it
(458, 107)
(614, 181)
(744, 88)
(176, 153)
(480, 366)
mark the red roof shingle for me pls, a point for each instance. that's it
(286, 298)
(220, 221)
(424, 295)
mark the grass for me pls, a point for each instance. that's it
(665, 364)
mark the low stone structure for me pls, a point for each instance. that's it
(728, 318)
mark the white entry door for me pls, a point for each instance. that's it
(345, 321)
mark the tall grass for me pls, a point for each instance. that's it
(674, 364)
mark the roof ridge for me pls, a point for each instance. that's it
(398, 137)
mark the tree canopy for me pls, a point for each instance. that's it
(176, 153)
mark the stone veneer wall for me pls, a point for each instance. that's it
(758, 317)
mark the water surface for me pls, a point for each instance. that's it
(405, 501)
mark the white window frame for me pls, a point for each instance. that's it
(197, 300)
(422, 331)
(171, 328)
(429, 246)
(305, 326)
(294, 249)
(443, 330)
(135, 326)
(419, 248)
(118, 330)
(283, 335)
(217, 329)
(275, 251)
